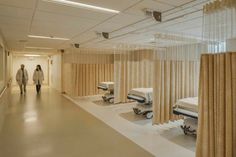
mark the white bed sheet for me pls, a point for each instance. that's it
(142, 92)
(108, 85)
(189, 104)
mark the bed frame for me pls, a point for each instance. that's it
(143, 107)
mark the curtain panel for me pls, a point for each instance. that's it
(176, 75)
(83, 70)
(217, 111)
(133, 69)
(82, 79)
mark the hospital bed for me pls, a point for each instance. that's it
(109, 87)
(144, 98)
(188, 107)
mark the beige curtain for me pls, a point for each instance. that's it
(217, 113)
(176, 75)
(86, 77)
(84, 69)
(133, 69)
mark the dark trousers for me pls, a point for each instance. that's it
(22, 88)
(38, 87)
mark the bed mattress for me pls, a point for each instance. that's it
(188, 104)
(106, 85)
(142, 92)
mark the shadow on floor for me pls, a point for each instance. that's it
(134, 118)
(177, 136)
(102, 103)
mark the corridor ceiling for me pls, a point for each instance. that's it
(20, 18)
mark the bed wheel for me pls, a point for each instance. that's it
(111, 100)
(187, 130)
(136, 111)
(149, 115)
(104, 98)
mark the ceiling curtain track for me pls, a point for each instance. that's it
(133, 69)
(216, 135)
(176, 73)
(219, 25)
(84, 69)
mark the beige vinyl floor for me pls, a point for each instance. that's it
(165, 140)
(49, 125)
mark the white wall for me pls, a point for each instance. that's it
(55, 72)
(231, 45)
(30, 65)
(3, 80)
(2, 64)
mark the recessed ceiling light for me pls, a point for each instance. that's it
(42, 48)
(47, 37)
(31, 55)
(82, 5)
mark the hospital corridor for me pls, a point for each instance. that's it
(117, 78)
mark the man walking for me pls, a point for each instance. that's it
(22, 78)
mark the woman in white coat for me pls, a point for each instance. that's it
(38, 77)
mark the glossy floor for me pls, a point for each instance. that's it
(49, 125)
(166, 140)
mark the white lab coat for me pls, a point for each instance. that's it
(38, 77)
(19, 77)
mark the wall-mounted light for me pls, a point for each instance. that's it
(82, 5)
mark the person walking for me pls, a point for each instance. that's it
(38, 78)
(22, 78)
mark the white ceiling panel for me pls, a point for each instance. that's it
(13, 12)
(150, 4)
(61, 19)
(84, 37)
(117, 22)
(51, 24)
(19, 3)
(44, 43)
(14, 21)
(14, 35)
(174, 3)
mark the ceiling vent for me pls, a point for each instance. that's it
(155, 14)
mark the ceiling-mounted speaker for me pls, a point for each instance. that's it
(76, 45)
(105, 35)
(157, 16)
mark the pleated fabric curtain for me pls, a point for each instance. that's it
(176, 75)
(133, 69)
(84, 69)
(216, 136)
(217, 99)
(86, 77)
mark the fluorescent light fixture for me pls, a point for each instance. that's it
(82, 5)
(30, 119)
(42, 48)
(47, 37)
(31, 55)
